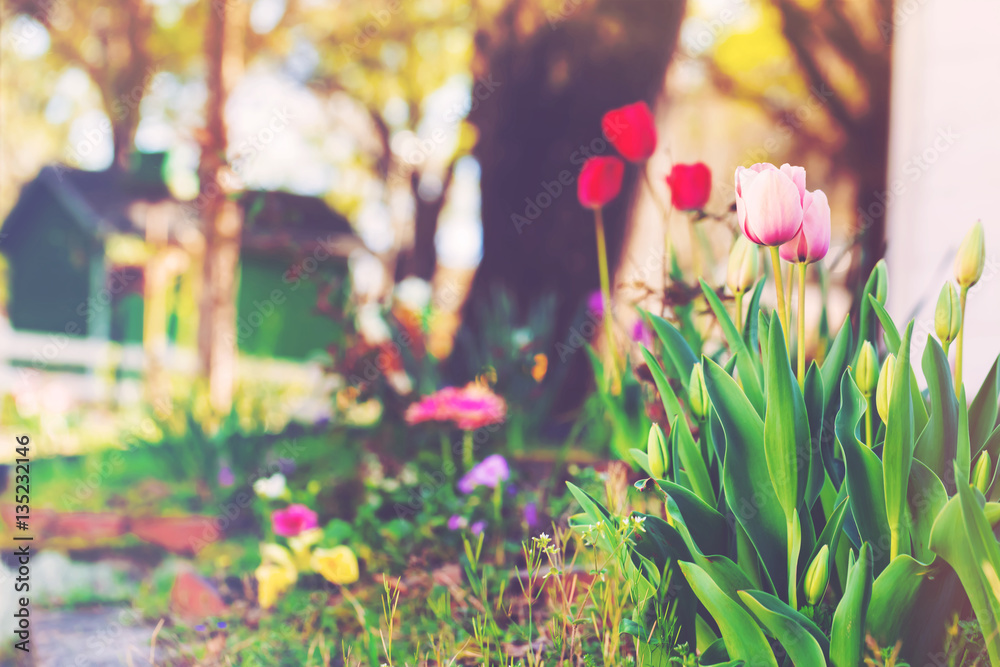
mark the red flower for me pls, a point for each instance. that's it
(690, 185)
(600, 181)
(631, 130)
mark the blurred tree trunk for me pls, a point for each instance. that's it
(420, 259)
(544, 80)
(221, 219)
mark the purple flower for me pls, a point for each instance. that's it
(641, 333)
(478, 527)
(531, 515)
(457, 522)
(490, 472)
(595, 304)
(226, 477)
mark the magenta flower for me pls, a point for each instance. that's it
(293, 520)
(226, 477)
(470, 407)
(531, 515)
(489, 472)
(595, 304)
(478, 527)
(641, 333)
(457, 522)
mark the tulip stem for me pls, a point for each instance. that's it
(695, 255)
(779, 290)
(447, 460)
(959, 342)
(788, 298)
(793, 560)
(868, 423)
(602, 263)
(802, 325)
(739, 312)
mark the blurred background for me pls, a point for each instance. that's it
(242, 235)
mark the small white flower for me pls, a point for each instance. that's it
(414, 293)
(271, 487)
(372, 325)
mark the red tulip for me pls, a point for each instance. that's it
(690, 186)
(632, 130)
(600, 181)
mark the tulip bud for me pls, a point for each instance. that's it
(884, 389)
(600, 181)
(817, 576)
(697, 394)
(982, 474)
(971, 257)
(742, 271)
(866, 374)
(947, 315)
(656, 450)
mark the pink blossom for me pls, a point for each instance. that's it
(293, 520)
(470, 407)
(813, 240)
(489, 472)
(770, 202)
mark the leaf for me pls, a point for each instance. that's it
(847, 636)
(671, 405)
(936, 446)
(963, 455)
(889, 331)
(744, 639)
(926, 497)
(864, 480)
(983, 411)
(836, 361)
(897, 452)
(692, 463)
(750, 326)
(748, 372)
(748, 490)
(829, 537)
(786, 428)
(803, 641)
(641, 458)
(877, 285)
(894, 595)
(815, 406)
(707, 527)
(682, 358)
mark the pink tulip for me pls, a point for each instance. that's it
(770, 202)
(813, 240)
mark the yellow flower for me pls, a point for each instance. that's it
(275, 575)
(301, 546)
(338, 565)
(272, 581)
(540, 367)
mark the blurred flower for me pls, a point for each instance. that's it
(813, 240)
(600, 181)
(456, 522)
(338, 565)
(271, 487)
(478, 527)
(595, 304)
(641, 333)
(741, 274)
(632, 130)
(769, 202)
(971, 257)
(469, 407)
(414, 293)
(690, 186)
(540, 367)
(301, 546)
(372, 326)
(531, 515)
(275, 574)
(226, 477)
(292, 520)
(489, 472)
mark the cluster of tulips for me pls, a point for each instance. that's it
(802, 515)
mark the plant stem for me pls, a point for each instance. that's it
(665, 211)
(739, 312)
(695, 255)
(788, 297)
(893, 542)
(467, 450)
(802, 325)
(959, 342)
(447, 460)
(794, 543)
(868, 423)
(602, 263)
(779, 290)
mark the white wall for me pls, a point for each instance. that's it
(944, 158)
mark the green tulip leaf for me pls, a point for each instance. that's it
(803, 641)
(894, 596)
(744, 362)
(877, 286)
(709, 529)
(889, 331)
(897, 452)
(743, 637)
(936, 446)
(692, 462)
(926, 496)
(836, 361)
(847, 636)
(815, 406)
(983, 411)
(746, 482)
(682, 359)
